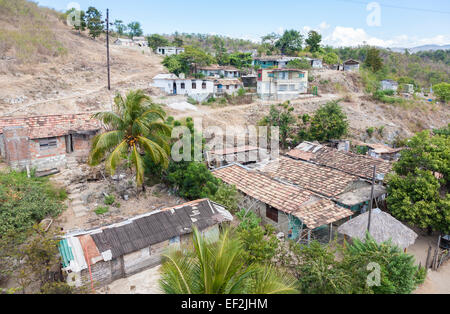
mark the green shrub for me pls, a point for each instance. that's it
(109, 200)
(228, 196)
(370, 131)
(25, 201)
(101, 210)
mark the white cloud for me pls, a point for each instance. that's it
(324, 26)
(349, 36)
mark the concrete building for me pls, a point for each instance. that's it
(219, 71)
(169, 51)
(140, 41)
(281, 84)
(389, 85)
(245, 155)
(227, 86)
(173, 85)
(46, 142)
(294, 211)
(106, 254)
(268, 62)
(124, 42)
(382, 151)
(316, 63)
(351, 65)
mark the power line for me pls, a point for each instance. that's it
(398, 7)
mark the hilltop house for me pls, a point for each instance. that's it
(219, 71)
(316, 63)
(46, 142)
(266, 62)
(351, 65)
(169, 51)
(281, 84)
(196, 88)
(290, 209)
(106, 254)
(379, 150)
(140, 41)
(124, 42)
(389, 85)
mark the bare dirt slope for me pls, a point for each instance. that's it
(74, 81)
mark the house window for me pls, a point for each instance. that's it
(228, 86)
(301, 75)
(48, 143)
(271, 213)
(194, 85)
(282, 88)
(235, 86)
(292, 87)
(183, 86)
(204, 85)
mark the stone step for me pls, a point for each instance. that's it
(77, 202)
(74, 196)
(80, 210)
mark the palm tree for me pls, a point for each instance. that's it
(218, 268)
(136, 127)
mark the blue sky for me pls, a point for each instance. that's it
(402, 23)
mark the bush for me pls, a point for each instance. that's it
(101, 210)
(370, 131)
(25, 201)
(192, 180)
(228, 196)
(109, 200)
(442, 91)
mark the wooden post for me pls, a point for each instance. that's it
(427, 262)
(331, 232)
(309, 237)
(371, 197)
(107, 48)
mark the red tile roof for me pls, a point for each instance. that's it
(52, 125)
(305, 205)
(358, 165)
(322, 180)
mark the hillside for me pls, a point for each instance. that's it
(66, 72)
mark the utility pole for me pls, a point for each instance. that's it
(107, 48)
(371, 197)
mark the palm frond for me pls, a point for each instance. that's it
(114, 158)
(103, 143)
(138, 162)
(156, 152)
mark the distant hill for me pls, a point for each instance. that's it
(422, 48)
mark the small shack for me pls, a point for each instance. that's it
(245, 155)
(103, 255)
(383, 227)
(389, 85)
(351, 65)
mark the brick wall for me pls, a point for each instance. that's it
(16, 147)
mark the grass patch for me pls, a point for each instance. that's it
(101, 210)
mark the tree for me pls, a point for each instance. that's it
(267, 46)
(301, 64)
(120, 27)
(187, 61)
(290, 43)
(178, 41)
(228, 196)
(442, 91)
(192, 180)
(329, 122)
(135, 127)
(373, 60)
(81, 26)
(418, 191)
(331, 58)
(156, 40)
(258, 245)
(135, 29)
(94, 22)
(313, 41)
(218, 268)
(241, 59)
(281, 116)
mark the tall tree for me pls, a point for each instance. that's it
(218, 268)
(281, 116)
(374, 60)
(290, 43)
(121, 28)
(418, 191)
(313, 41)
(135, 29)
(80, 25)
(94, 22)
(135, 127)
(156, 40)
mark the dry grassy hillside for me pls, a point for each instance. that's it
(46, 67)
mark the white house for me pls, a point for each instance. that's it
(169, 51)
(140, 41)
(281, 84)
(124, 42)
(219, 71)
(174, 85)
(389, 85)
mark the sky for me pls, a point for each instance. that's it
(385, 23)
